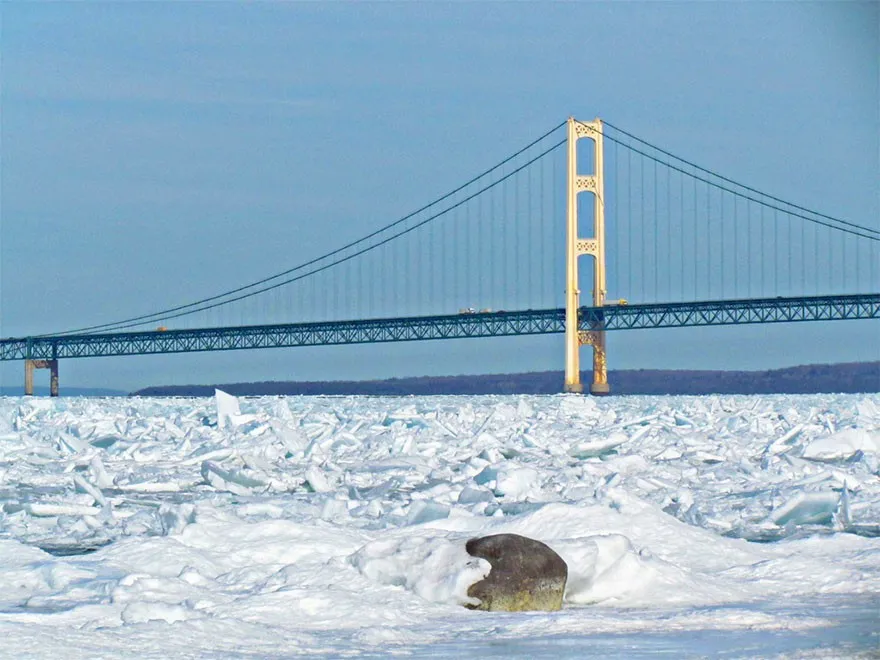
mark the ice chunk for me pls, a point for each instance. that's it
(234, 481)
(807, 509)
(486, 475)
(201, 455)
(599, 446)
(84, 486)
(49, 510)
(423, 511)
(102, 479)
(470, 495)
(317, 481)
(227, 408)
(69, 443)
(516, 482)
(842, 517)
(784, 443)
(841, 445)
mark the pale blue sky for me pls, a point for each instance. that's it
(153, 153)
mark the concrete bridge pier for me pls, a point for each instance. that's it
(30, 365)
(596, 339)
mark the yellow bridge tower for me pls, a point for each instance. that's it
(575, 247)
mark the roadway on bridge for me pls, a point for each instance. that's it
(454, 326)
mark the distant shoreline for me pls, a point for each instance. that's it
(9, 390)
(854, 377)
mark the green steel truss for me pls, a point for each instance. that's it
(457, 326)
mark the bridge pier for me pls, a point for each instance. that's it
(31, 365)
(596, 339)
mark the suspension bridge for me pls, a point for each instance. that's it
(672, 244)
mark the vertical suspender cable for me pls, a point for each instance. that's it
(790, 250)
(696, 233)
(656, 224)
(735, 248)
(763, 291)
(336, 284)
(844, 263)
(467, 228)
(723, 244)
(475, 248)
(708, 240)
(513, 272)
(642, 229)
(542, 222)
(554, 185)
(748, 248)
(363, 285)
(345, 292)
(297, 315)
(816, 286)
(858, 266)
(442, 299)
(427, 252)
(394, 278)
(681, 233)
(629, 224)
(501, 227)
(615, 219)
(376, 306)
(668, 231)
(776, 258)
(454, 252)
(506, 228)
(497, 230)
(803, 282)
(830, 262)
(516, 254)
(310, 299)
(872, 249)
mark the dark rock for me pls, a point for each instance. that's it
(526, 574)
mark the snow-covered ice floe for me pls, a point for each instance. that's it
(273, 527)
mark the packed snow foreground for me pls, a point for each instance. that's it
(272, 526)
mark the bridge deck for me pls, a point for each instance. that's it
(496, 324)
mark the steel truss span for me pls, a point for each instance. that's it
(456, 326)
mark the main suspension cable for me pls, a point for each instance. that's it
(736, 183)
(124, 325)
(191, 307)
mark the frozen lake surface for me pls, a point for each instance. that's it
(271, 527)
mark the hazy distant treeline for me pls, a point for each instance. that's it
(810, 379)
